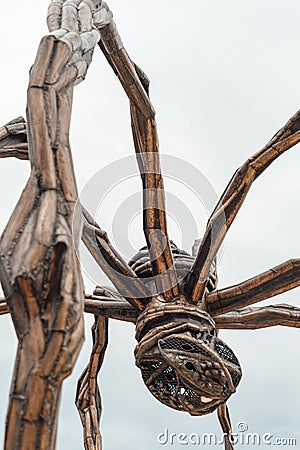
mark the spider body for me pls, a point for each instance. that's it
(182, 361)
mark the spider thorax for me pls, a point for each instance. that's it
(183, 362)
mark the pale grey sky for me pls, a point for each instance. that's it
(224, 78)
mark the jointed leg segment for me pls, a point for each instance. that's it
(39, 269)
(113, 265)
(224, 419)
(146, 143)
(275, 281)
(255, 318)
(231, 202)
(88, 400)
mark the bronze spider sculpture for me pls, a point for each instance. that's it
(171, 296)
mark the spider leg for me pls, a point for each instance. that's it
(135, 84)
(99, 305)
(13, 139)
(251, 318)
(224, 419)
(39, 269)
(230, 203)
(107, 302)
(112, 264)
(88, 399)
(112, 309)
(275, 281)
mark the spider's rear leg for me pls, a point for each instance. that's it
(231, 202)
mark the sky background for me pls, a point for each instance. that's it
(224, 78)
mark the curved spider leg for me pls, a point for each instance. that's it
(39, 269)
(88, 399)
(135, 84)
(122, 276)
(230, 203)
(105, 304)
(13, 139)
(263, 317)
(274, 281)
(224, 419)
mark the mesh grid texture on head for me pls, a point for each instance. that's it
(190, 374)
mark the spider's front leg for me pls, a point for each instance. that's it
(136, 86)
(39, 269)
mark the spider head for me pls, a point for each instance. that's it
(186, 366)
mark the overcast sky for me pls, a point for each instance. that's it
(224, 78)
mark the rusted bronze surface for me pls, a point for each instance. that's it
(170, 295)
